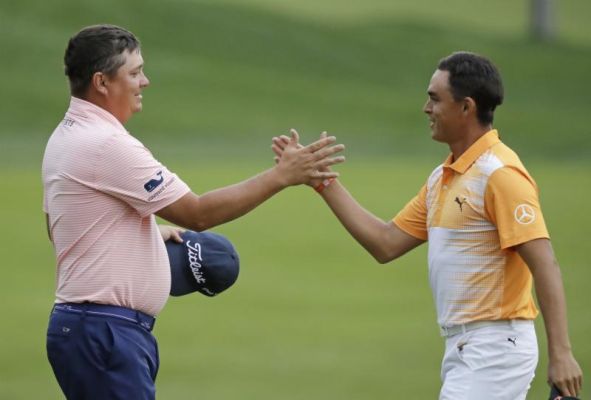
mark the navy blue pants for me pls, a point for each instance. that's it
(102, 352)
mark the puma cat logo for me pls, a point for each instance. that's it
(461, 202)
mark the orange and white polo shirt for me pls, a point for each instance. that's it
(472, 212)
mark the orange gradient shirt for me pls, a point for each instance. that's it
(473, 212)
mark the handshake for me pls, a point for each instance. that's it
(297, 164)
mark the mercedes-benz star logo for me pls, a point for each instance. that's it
(524, 214)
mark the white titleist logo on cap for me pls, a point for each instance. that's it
(194, 254)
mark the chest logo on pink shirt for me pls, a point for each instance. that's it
(154, 183)
(524, 214)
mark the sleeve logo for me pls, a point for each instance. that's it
(524, 214)
(154, 183)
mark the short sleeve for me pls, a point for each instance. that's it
(129, 172)
(511, 203)
(412, 219)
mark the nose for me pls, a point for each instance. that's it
(427, 107)
(145, 81)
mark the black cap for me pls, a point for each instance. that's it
(205, 262)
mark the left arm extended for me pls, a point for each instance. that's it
(563, 369)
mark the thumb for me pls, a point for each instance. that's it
(295, 138)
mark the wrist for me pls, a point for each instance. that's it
(277, 178)
(558, 352)
(323, 184)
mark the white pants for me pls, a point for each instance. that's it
(494, 362)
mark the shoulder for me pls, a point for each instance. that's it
(507, 156)
(510, 162)
(500, 157)
(121, 148)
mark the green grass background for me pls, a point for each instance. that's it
(312, 316)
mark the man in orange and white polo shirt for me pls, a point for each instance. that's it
(102, 188)
(480, 213)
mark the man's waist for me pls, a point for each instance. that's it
(108, 311)
(449, 331)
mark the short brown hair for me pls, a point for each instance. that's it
(96, 48)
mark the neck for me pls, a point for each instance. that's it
(468, 139)
(98, 100)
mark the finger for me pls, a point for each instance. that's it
(176, 235)
(325, 174)
(328, 151)
(564, 388)
(574, 386)
(277, 150)
(327, 162)
(571, 387)
(283, 141)
(295, 137)
(280, 141)
(320, 143)
(323, 135)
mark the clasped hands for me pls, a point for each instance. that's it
(306, 164)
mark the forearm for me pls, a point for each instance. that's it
(539, 256)
(222, 205)
(552, 302)
(367, 229)
(563, 369)
(228, 203)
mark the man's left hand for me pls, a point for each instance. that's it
(171, 232)
(565, 373)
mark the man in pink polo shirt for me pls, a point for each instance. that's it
(102, 188)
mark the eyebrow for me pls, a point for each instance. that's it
(431, 93)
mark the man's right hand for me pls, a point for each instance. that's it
(297, 164)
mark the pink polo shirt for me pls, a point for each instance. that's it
(101, 189)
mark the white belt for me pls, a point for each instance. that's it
(448, 331)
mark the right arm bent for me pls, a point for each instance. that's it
(299, 164)
(222, 205)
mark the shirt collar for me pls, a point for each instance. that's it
(464, 162)
(82, 108)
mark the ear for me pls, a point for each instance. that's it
(469, 105)
(99, 83)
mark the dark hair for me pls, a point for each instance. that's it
(96, 48)
(471, 75)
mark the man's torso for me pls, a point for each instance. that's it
(101, 187)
